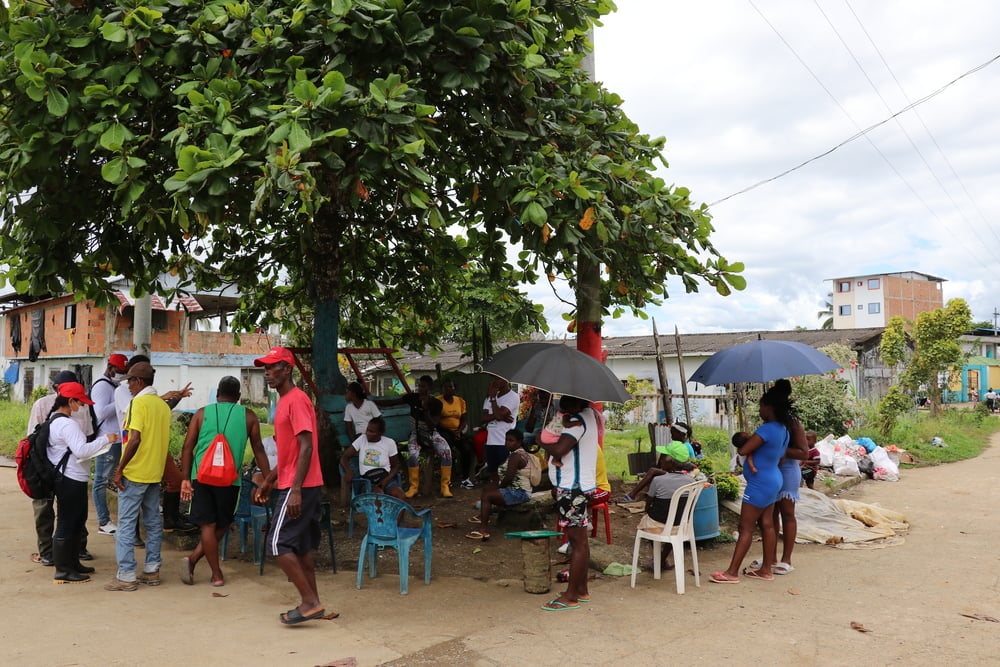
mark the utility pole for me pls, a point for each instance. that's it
(588, 278)
(142, 325)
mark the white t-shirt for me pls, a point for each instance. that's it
(66, 434)
(374, 455)
(579, 465)
(361, 416)
(496, 431)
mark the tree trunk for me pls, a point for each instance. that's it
(324, 257)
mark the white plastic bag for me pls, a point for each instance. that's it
(825, 447)
(885, 469)
(844, 464)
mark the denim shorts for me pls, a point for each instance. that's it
(514, 496)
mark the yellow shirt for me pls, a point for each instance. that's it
(601, 473)
(451, 413)
(150, 415)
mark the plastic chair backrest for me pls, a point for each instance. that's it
(382, 512)
(686, 524)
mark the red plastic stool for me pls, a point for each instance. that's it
(607, 520)
(593, 522)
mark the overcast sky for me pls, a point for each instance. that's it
(737, 106)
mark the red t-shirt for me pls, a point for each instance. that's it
(294, 415)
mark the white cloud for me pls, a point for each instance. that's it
(737, 107)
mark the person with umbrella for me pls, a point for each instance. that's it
(573, 479)
(768, 445)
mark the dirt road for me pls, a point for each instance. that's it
(912, 599)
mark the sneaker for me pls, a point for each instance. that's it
(150, 578)
(468, 484)
(108, 528)
(564, 549)
(119, 585)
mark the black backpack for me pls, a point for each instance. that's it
(35, 473)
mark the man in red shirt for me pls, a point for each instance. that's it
(295, 532)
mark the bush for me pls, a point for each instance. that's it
(38, 392)
(727, 484)
(893, 405)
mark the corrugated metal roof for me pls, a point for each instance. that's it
(451, 357)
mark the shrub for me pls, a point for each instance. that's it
(727, 484)
(38, 392)
(893, 405)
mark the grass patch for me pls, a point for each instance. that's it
(966, 434)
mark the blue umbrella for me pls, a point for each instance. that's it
(762, 361)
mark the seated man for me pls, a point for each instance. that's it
(661, 490)
(514, 487)
(665, 461)
(378, 459)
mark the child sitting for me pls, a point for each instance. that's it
(378, 459)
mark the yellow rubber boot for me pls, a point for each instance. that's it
(445, 481)
(414, 482)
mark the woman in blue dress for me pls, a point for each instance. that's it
(767, 444)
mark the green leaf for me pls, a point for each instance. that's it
(414, 147)
(298, 138)
(305, 91)
(113, 138)
(113, 32)
(57, 103)
(113, 171)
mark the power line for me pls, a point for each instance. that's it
(991, 256)
(857, 135)
(930, 134)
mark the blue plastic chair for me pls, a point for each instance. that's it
(359, 485)
(249, 519)
(384, 513)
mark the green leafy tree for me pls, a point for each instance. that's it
(937, 351)
(618, 413)
(825, 403)
(349, 154)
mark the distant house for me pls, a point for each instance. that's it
(636, 355)
(870, 300)
(981, 370)
(42, 336)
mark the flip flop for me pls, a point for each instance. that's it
(723, 578)
(755, 574)
(187, 575)
(474, 519)
(218, 584)
(782, 568)
(294, 616)
(558, 605)
(585, 599)
(756, 563)
(477, 535)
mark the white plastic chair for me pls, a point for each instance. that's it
(676, 536)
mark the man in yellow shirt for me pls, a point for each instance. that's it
(138, 479)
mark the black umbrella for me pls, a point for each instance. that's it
(558, 369)
(762, 361)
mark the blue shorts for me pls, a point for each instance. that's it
(514, 496)
(791, 480)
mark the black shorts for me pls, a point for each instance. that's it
(213, 504)
(298, 536)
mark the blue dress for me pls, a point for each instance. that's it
(763, 486)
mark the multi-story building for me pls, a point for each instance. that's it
(870, 300)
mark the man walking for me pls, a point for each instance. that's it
(294, 533)
(212, 507)
(138, 476)
(102, 393)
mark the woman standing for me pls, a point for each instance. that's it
(67, 441)
(768, 445)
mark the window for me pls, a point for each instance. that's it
(69, 317)
(844, 310)
(158, 320)
(873, 283)
(860, 307)
(874, 308)
(844, 286)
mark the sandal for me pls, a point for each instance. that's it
(477, 535)
(723, 578)
(475, 519)
(559, 605)
(756, 563)
(782, 568)
(755, 574)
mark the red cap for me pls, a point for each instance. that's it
(277, 354)
(118, 361)
(74, 390)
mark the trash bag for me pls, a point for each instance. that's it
(885, 469)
